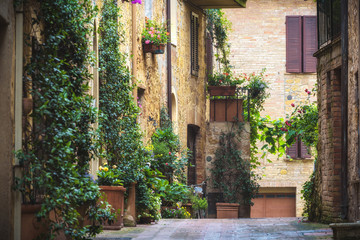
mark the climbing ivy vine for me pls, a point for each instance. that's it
(57, 159)
(119, 131)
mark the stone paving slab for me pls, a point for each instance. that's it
(219, 229)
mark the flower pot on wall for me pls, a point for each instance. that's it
(115, 197)
(226, 110)
(31, 226)
(222, 90)
(227, 210)
(153, 48)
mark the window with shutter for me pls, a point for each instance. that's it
(301, 44)
(194, 43)
(298, 150)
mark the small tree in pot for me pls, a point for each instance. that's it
(232, 174)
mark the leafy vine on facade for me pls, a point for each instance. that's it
(62, 143)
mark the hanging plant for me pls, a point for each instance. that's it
(154, 37)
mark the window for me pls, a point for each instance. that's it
(298, 150)
(301, 44)
(173, 14)
(194, 48)
(148, 8)
(329, 19)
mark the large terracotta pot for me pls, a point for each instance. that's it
(155, 49)
(227, 210)
(226, 110)
(222, 90)
(31, 226)
(115, 197)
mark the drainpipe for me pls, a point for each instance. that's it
(168, 56)
(344, 108)
(19, 44)
(130, 217)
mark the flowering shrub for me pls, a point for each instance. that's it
(109, 176)
(154, 33)
(179, 212)
(224, 79)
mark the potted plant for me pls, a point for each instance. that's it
(232, 175)
(111, 186)
(222, 84)
(154, 37)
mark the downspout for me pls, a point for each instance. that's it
(344, 108)
(168, 57)
(19, 46)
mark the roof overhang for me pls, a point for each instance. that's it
(219, 3)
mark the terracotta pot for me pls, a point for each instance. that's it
(226, 110)
(31, 226)
(227, 210)
(27, 105)
(115, 197)
(153, 48)
(222, 90)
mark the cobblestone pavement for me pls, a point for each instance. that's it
(214, 229)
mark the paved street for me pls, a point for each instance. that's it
(213, 229)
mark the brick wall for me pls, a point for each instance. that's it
(258, 41)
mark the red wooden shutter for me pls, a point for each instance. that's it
(292, 151)
(309, 43)
(304, 151)
(293, 44)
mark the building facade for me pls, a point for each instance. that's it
(264, 36)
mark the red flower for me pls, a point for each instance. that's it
(169, 153)
(293, 105)
(299, 111)
(287, 123)
(306, 90)
(166, 164)
(309, 92)
(226, 74)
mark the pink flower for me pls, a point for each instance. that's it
(151, 28)
(299, 111)
(288, 123)
(150, 32)
(309, 92)
(306, 90)
(166, 164)
(158, 36)
(136, 1)
(152, 35)
(147, 41)
(169, 153)
(293, 105)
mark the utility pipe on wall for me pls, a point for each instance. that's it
(168, 57)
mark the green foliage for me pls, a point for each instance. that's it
(109, 176)
(148, 203)
(154, 33)
(231, 173)
(198, 203)
(120, 134)
(218, 27)
(224, 79)
(62, 144)
(179, 212)
(169, 158)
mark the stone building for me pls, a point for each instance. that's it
(337, 169)
(259, 39)
(175, 80)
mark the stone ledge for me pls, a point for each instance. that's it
(346, 231)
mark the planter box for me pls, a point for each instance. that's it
(226, 110)
(227, 210)
(115, 197)
(222, 90)
(155, 49)
(31, 227)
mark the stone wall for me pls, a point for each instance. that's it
(7, 81)
(213, 133)
(258, 41)
(188, 92)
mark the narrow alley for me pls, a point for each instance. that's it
(257, 229)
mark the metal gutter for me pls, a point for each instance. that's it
(168, 57)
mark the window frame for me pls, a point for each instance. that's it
(194, 43)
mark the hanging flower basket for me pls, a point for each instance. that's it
(222, 90)
(153, 48)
